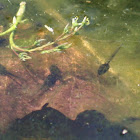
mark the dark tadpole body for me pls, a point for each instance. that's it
(52, 77)
(105, 67)
(49, 82)
(55, 74)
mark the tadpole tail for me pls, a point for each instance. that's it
(10, 74)
(42, 91)
(30, 71)
(16, 81)
(38, 97)
(15, 76)
(113, 55)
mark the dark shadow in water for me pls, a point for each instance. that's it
(1, 6)
(3, 42)
(50, 123)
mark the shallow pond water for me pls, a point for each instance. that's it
(114, 95)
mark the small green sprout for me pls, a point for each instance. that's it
(57, 49)
(38, 42)
(63, 46)
(85, 21)
(24, 56)
(75, 24)
(66, 30)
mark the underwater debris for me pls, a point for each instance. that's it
(105, 67)
(124, 131)
(49, 29)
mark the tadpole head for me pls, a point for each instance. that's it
(55, 70)
(103, 69)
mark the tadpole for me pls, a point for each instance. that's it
(50, 80)
(52, 77)
(105, 67)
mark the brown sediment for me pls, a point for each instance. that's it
(70, 97)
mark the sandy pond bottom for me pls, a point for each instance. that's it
(75, 105)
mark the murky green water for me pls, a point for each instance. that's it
(113, 23)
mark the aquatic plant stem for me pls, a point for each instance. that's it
(13, 45)
(23, 55)
(19, 16)
(63, 36)
(22, 52)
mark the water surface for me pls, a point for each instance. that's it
(113, 23)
